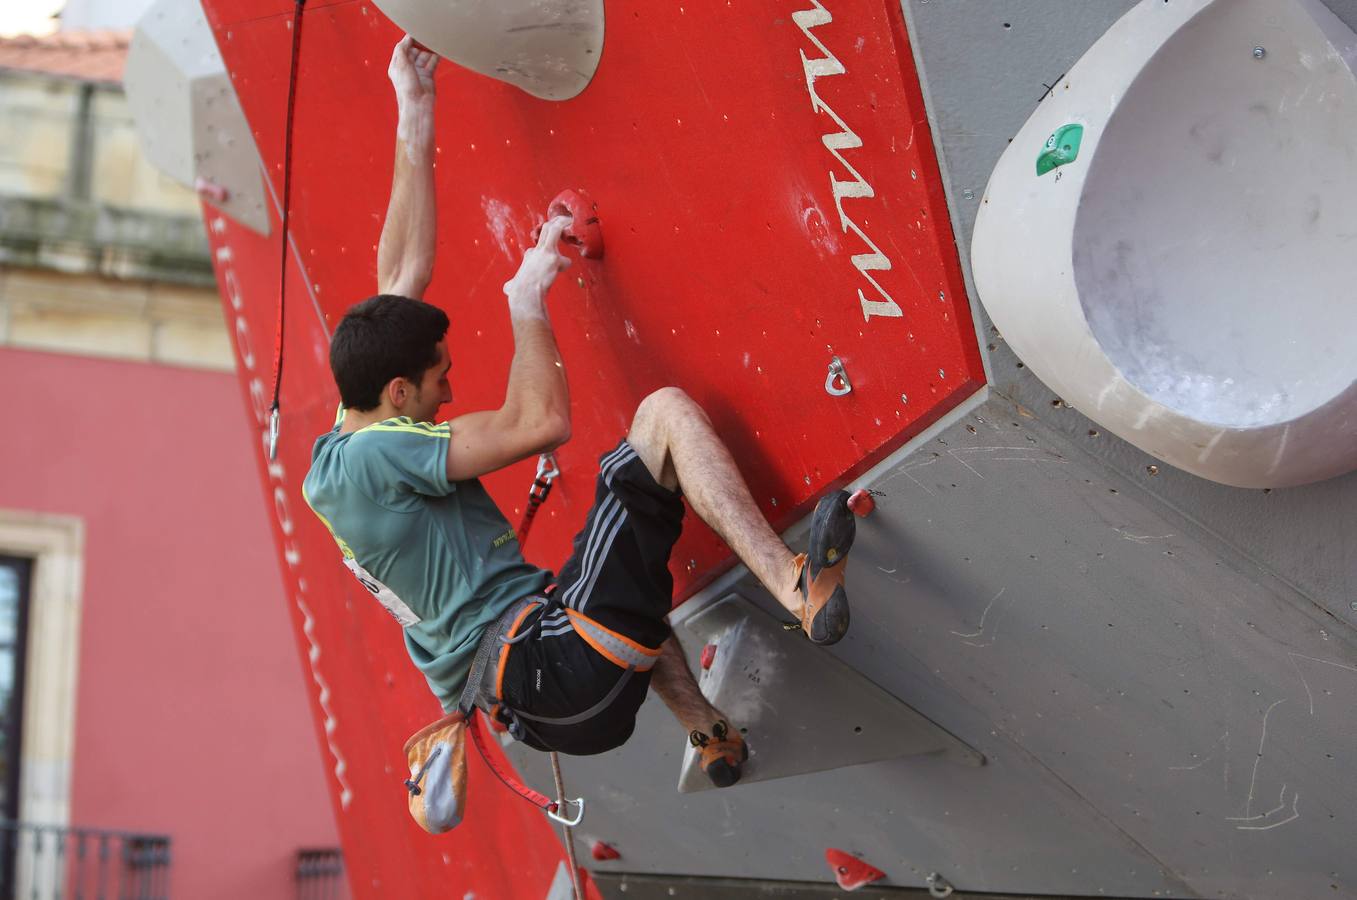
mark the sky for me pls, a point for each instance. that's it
(28, 17)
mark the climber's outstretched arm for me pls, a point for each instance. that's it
(535, 415)
(405, 253)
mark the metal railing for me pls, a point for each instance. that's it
(52, 862)
(320, 875)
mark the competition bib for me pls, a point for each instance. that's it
(385, 596)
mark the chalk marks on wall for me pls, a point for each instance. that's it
(987, 632)
(1259, 822)
(1287, 806)
(1309, 695)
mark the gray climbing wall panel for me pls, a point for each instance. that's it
(1159, 670)
(982, 80)
(1159, 713)
(805, 721)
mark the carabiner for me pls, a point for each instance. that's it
(273, 434)
(568, 823)
(547, 470)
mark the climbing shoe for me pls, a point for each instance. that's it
(723, 753)
(820, 571)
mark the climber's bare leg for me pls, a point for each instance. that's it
(674, 682)
(677, 443)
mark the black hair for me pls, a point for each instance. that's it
(384, 337)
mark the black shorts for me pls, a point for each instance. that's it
(618, 576)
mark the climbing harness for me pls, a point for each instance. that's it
(287, 204)
(451, 731)
(437, 783)
(547, 470)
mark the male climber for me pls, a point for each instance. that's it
(565, 662)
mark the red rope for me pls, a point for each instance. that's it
(541, 801)
(287, 205)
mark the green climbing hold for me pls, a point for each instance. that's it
(1062, 148)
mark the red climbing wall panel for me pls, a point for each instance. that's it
(766, 182)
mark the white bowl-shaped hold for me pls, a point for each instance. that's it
(1180, 263)
(188, 120)
(548, 48)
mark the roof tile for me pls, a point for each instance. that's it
(84, 55)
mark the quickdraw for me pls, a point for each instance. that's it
(547, 471)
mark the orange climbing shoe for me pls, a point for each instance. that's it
(820, 572)
(723, 753)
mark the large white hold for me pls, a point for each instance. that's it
(548, 48)
(1170, 242)
(188, 119)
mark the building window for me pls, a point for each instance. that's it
(14, 588)
(42, 561)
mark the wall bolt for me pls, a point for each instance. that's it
(836, 382)
(1259, 52)
(938, 886)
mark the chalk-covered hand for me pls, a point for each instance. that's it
(527, 290)
(411, 71)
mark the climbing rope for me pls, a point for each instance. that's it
(547, 471)
(287, 205)
(567, 830)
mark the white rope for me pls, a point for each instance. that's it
(566, 829)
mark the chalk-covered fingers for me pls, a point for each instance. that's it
(551, 234)
(412, 70)
(542, 264)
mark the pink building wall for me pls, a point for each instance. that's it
(191, 711)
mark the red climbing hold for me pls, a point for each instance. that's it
(850, 872)
(603, 851)
(708, 655)
(210, 190)
(584, 231)
(861, 503)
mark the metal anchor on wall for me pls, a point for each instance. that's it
(837, 383)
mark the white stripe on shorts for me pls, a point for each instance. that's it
(605, 525)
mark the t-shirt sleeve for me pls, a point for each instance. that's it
(398, 457)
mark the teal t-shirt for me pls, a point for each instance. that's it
(437, 554)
